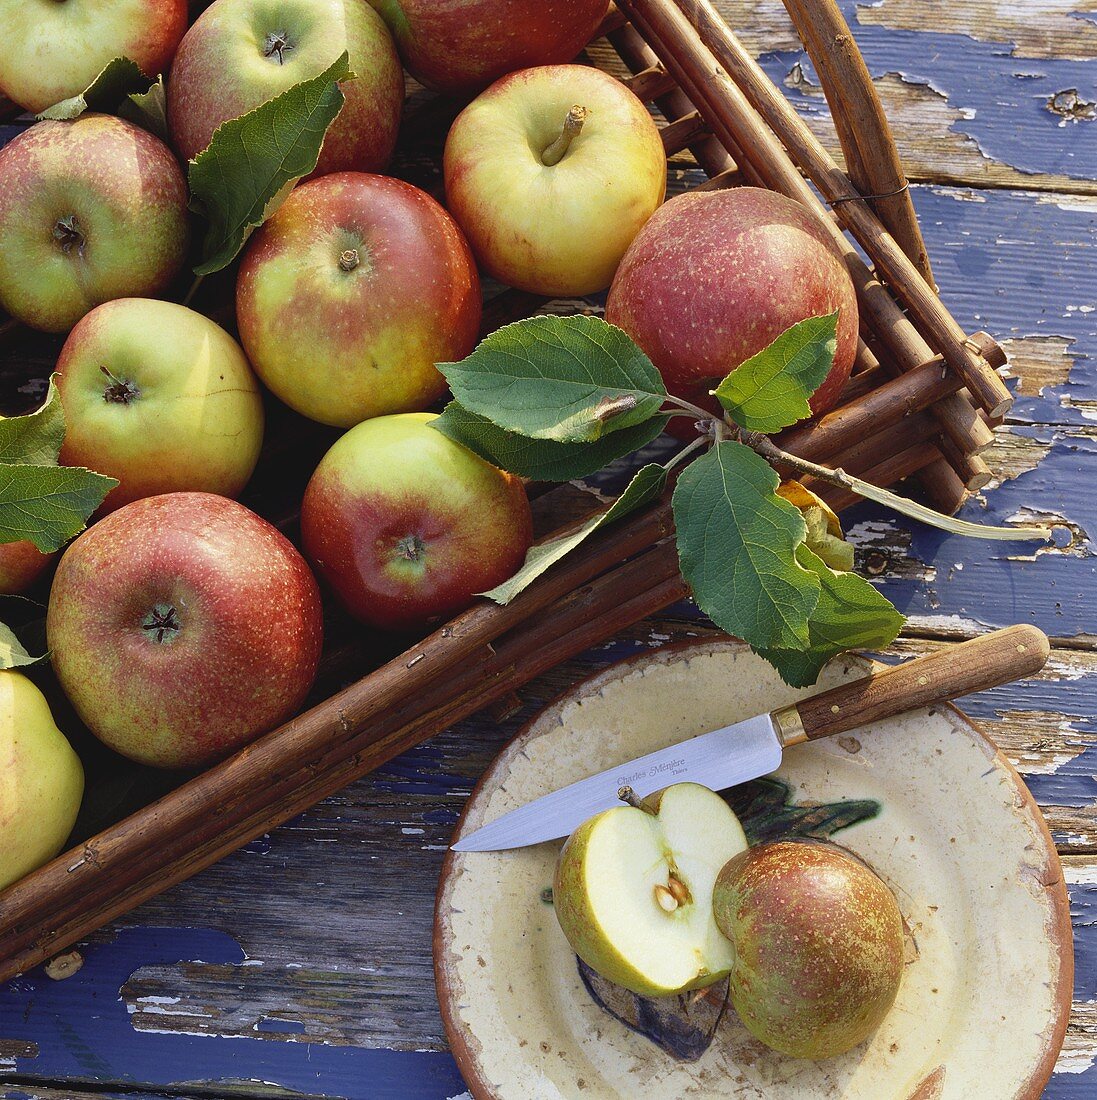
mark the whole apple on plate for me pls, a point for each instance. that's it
(407, 526)
(182, 627)
(50, 51)
(551, 173)
(90, 210)
(717, 276)
(241, 53)
(461, 46)
(161, 398)
(41, 780)
(818, 946)
(348, 296)
(633, 890)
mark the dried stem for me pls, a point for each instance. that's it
(573, 125)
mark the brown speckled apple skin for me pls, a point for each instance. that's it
(461, 46)
(21, 564)
(818, 946)
(715, 277)
(244, 658)
(395, 476)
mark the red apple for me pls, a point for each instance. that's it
(715, 277)
(90, 210)
(349, 295)
(183, 626)
(461, 46)
(50, 51)
(161, 398)
(240, 53)
(21, 564)
(407, 526)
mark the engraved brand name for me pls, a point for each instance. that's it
(671, 767)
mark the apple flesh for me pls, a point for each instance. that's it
(182, 627)
(160, 398)
(241, 53)
(348, 296)
(21, 564)
(90, 210)
(633, 890)
(50, 51)
(818, 943)
(460, 46)
(551, 173)
(715, 277)
(407, 526)
(41, 780)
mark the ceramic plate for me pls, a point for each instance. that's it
(924, 798)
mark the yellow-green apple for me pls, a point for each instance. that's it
(240, 53)
(714, 277)
(53, 49)
(633, 890)
(348, 296)
(161, 398)
(551, 173)
(461, 46)
(182, 627)
(21, 564)
(818, 941)
(407, 526)
(41, 780)
(90, 210)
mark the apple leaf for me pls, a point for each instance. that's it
(120, 78)
(35, 439)
(648, 482)
(570, 379)
(850, 614)
(770, 391)
(253, 161)
(737, 544)
(541, 459)
(48, 504)
(148, 109)
(13, 654)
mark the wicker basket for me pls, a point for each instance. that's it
(922, 400)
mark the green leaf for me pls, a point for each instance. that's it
(851, 614)
(645, 486)
(253, 162)
(149, 110)
(737, 545)
(541, 459)
(13, 654)
(770, 391)
(120, 78)
(35, 439)
(571, 379)
(48, 504)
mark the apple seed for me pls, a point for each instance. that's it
(665, 899)
(679, 890)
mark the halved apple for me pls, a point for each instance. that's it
(633, 890)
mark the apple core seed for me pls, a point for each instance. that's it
(162, 624)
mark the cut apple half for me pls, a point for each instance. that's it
(633, 890)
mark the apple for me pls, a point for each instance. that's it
(348, 296)
(551, 173)
(41, 780)
(161, 398)
(21, 564)
(90, 210)
(461, 46)
(50, 51)
(818, 941)
(407, 526)
(183, 626)
(241, 53)
(633, 890)
(716, 276)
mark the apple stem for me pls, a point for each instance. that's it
(628, 795)
(349, 259)
(573, 125)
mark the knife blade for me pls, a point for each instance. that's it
(755, 746)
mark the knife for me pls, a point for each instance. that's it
(755, 746)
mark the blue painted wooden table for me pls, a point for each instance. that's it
(302, 963)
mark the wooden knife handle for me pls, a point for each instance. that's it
(981, 663)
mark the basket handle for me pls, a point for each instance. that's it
(872, 158)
